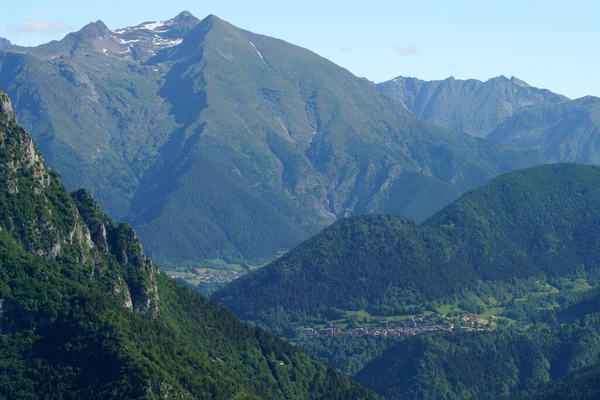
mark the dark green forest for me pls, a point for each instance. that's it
(503, 364)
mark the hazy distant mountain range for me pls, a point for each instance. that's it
(215, 142)
(470, 106)
(506, 110)
(568, 131)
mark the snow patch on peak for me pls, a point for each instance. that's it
(171, 43)
(128, 41)
(152, 26)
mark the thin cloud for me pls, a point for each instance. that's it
(450, 66)
(47, 28)
(346, 49)
(405, 50)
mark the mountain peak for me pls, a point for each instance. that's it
(472, 106)
(199, 32)
(5, 44)
(94, 30)
(97, 26)
(184, 14)
(212, 18)
(519, 82)
(500, 78)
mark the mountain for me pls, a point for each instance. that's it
(85, 314)
(215, 142)
(5, 44)
(138, 43)
(529, 224)
(470, 106)
(92, 106)
(568, 131)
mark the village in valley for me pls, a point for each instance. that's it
(209, 276)
(410, 326)
(213, 272)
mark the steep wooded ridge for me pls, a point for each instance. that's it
(85, 314)
(261, 142)
(509, 111)
(538, 222)
(539, 363)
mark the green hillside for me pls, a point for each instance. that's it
(261, 142)
(560, 362)
(530, 224)
(85, 314)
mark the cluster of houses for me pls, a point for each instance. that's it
(221, 276)
(308, 332)
(212, 276)
(432, 323)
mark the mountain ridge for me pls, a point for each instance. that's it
(564, 132)
(471, 105)
(508, 111)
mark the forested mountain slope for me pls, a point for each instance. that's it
(261, 142)
(538, 222)
(85, 314)
(542, 362)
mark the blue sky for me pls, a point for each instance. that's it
(548, 43)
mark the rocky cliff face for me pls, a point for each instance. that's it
(137, 282)
(46, 220)
(28, 184)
